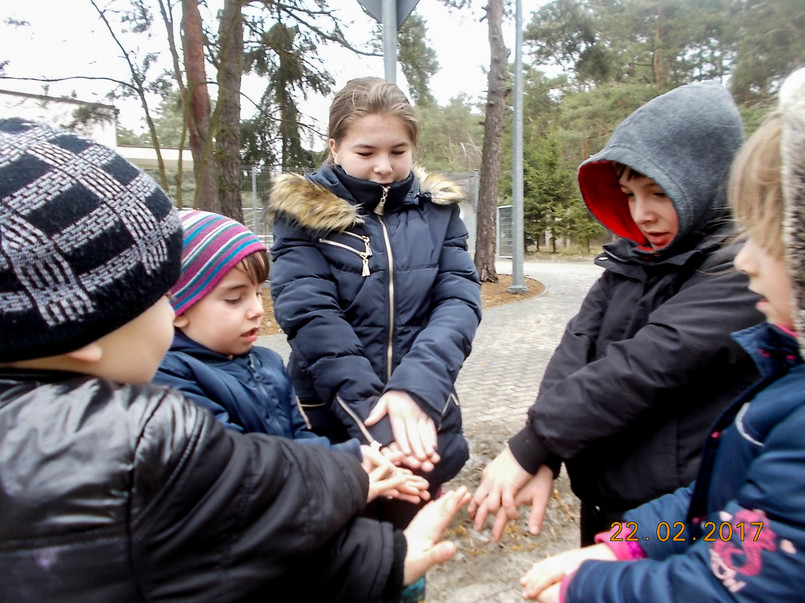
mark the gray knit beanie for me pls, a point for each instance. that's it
(88, 242)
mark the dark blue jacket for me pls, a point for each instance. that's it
(373, 302)
(746, 509)
(250, 393)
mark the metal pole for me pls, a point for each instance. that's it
(254, 199)
(518, 285)
(390, 40)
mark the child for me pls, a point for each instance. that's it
(114, 489)
(647, 363)
(736, 534)
(373, 285)
(218, 302)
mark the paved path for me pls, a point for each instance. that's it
(514, 342)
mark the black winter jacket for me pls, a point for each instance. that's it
(648, 363)
(114, 492)
(374, 302)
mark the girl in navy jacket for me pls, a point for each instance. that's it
(374, 287)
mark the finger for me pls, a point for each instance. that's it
(536, 517)
(480, 516)
(413, 429)
(377, 413)
(398, 428)
(508, 504)
(500, 522)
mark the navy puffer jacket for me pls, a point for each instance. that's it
(373, 302)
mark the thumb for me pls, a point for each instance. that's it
(378, 412)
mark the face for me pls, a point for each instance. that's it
(132, 353)
(376, 148)
(651, 209)
(768, 277)
(227, 319)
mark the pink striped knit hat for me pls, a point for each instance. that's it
(212, 245)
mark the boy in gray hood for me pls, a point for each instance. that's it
(648, 363)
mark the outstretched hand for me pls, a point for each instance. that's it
(501, 482)
(414, 431)
(542, 581)
(386, 479)
(425, 530)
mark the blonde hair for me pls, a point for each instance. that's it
(755, 188)
(369, 96)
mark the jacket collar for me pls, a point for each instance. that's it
(772, 349)
(321, 202)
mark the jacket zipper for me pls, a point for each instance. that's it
(390, 255)
(364, 255)
(369, 439)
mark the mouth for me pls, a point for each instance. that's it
(250, 335)
(658, 239)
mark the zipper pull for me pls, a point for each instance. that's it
(366, 255)
(382, 202)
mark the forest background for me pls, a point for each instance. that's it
(587, 64)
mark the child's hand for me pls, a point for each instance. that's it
(414, 431)
(425, 530)
(537, 582)
(385, 479)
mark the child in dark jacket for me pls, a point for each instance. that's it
(374, 288)
(218, 302)
(648, 363)
(736, 533)
(116, 489)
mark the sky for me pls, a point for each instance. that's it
(66, 37)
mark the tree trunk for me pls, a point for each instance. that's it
(227, 111)
(197, 108)
(485, 239)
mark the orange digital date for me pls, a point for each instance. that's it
(676, 531)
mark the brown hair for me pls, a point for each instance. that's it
(256, 267)
(755, 188)
(369, 96)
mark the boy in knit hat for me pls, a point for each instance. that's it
(218, 301)
(114, 489)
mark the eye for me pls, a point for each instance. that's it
(627, 192)
(398, 153)
(233, 301)
(365, 154)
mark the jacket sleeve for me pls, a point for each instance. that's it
(430, 368)
(221, 515)
(734, 561)
(306, 307)
(680, 343)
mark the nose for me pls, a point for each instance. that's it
(256, 308)
(383, 165)
(743, 259)
(642, 209)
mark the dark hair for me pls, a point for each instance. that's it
(621, 169)
(256, 267)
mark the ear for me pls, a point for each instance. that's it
(180, 322)
(89, 354)
(333, 149)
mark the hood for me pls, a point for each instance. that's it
(326, 205)
(685, 140)
(792, 154)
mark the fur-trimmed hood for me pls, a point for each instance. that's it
(320, 203)
(792, 151)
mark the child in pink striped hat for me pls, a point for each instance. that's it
(218, 301)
